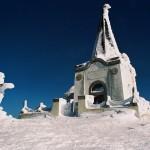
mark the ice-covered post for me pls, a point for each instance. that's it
(4, 86)
(25, 104)
(106, 10)
(42, 107)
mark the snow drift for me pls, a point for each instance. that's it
(111, 130)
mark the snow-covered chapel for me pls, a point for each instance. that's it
(107, 80)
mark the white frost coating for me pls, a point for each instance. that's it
(26, 109)
(106, 46)
(65, 108)
(62, 104)
(143, 104)
(83, 64)
(130, 78)
(102, 131)
(68, 109)
(143, 107)
(4, 86)
(89, 102)
(71, 90)
(42, 107)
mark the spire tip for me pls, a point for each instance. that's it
(107, 6)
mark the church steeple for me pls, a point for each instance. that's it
(105, 47)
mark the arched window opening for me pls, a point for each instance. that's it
(98, 90)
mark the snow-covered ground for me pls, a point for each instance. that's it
(111, 130)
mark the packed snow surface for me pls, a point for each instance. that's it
(119, 129)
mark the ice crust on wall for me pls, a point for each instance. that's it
(130, 78)
(89, 103)
(65, 108)
(142, 103)
(106, 46)
(129, 70)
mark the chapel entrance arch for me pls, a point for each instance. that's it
(99, 91)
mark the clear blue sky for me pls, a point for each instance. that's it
(42, 41)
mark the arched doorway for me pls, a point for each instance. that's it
(98, 90)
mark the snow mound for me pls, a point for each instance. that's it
(115, 113)
(3, 115)
(108, 130)
(143, 107)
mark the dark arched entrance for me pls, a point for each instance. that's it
(98, 90)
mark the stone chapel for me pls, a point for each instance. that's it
(107, 79)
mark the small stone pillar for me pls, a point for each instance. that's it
(58, 107)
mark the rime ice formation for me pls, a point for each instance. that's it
(106, 46)
(41, 111)
(108, 70)
(143, 107)
(69, 94)
(4, 86)
(26, 109)
(42, 107)
(93, 90)
(108, 80)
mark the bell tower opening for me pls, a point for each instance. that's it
(98, 90)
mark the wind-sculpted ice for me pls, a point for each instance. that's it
(26, 109)
(4, 86)
(42, 107)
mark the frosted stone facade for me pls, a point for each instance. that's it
(108, 79)
(62, 108)
(105, 82)
(106, 46)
